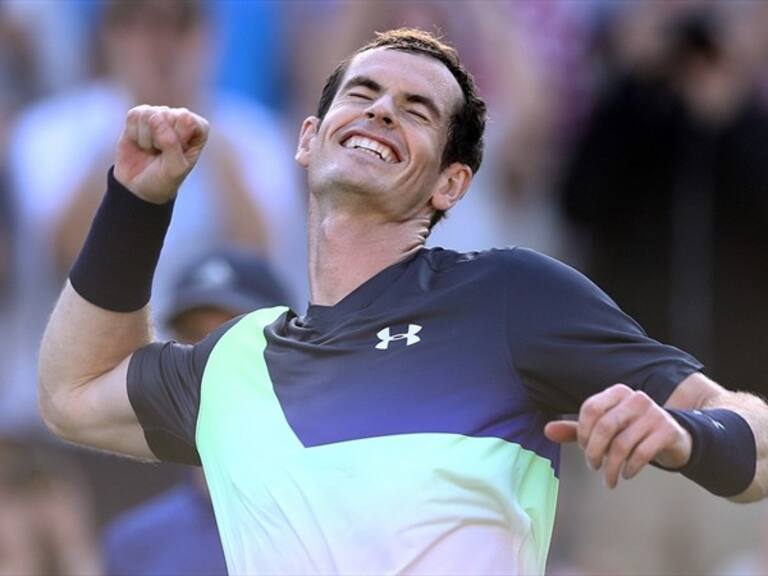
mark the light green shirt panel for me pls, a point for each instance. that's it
(413, 503)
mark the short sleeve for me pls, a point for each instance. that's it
(568, 340)
(164, 390)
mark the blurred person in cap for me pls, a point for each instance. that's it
(175, 533)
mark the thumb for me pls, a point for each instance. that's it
(562, 431)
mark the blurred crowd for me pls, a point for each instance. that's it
(629, 139)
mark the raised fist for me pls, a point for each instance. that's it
(157, 149)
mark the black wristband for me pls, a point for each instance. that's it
(116, 265)
(723, 453)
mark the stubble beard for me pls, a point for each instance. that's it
(334, 186)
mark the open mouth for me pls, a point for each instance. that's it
(373, 147)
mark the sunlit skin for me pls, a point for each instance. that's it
(374, 98)
(365, 213)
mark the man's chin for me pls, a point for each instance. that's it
(343, 180)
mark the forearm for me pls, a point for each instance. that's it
(101, 316)
(755, 411)
(82, 342)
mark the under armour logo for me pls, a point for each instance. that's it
(410, 336)
(716, 423)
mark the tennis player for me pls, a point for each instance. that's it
(407, 422)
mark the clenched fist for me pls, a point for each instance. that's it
(157, 149)
(622, 430)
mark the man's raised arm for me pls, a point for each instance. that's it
(101, 317)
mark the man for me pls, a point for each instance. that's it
(176, 533)
(399, 425)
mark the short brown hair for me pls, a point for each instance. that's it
(467, 124)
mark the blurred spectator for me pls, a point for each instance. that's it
(520, 50)
(159, 53)
(45, 523)
(668, 186)
(176, 532)
(6, 234)
(18, 79)
(243, 193)
(56, 35)
(670, 180)
(18, 83)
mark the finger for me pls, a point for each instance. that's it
(131, 130)
(163, 136)
(199, 135)
(622, 447)
(191, 129)
(646, 451)
(166, 113)
(181, 120)
(176, 115)
(144, 140)
(562, 431)
(596, 406)
(632, 407)
(165, 139)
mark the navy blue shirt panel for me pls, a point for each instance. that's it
(569, 340)
(334, 384)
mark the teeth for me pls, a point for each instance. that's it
(381, 150)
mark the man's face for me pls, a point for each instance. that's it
(384, 134)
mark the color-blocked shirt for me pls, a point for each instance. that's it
(400, 430)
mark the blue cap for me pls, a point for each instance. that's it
(233, 280)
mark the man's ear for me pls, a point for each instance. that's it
(308, 131)
(451, 186)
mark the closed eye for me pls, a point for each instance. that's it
(418, 115)
(360, 95)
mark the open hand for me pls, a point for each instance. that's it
(157, 149)
(622, 430)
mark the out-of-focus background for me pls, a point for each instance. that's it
(629, 139)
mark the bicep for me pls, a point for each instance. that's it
(104, 416)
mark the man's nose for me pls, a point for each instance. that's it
(381, 110)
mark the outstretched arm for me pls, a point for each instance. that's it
(87, 344)
(622, 430)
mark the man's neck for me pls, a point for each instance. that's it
(347, 249)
